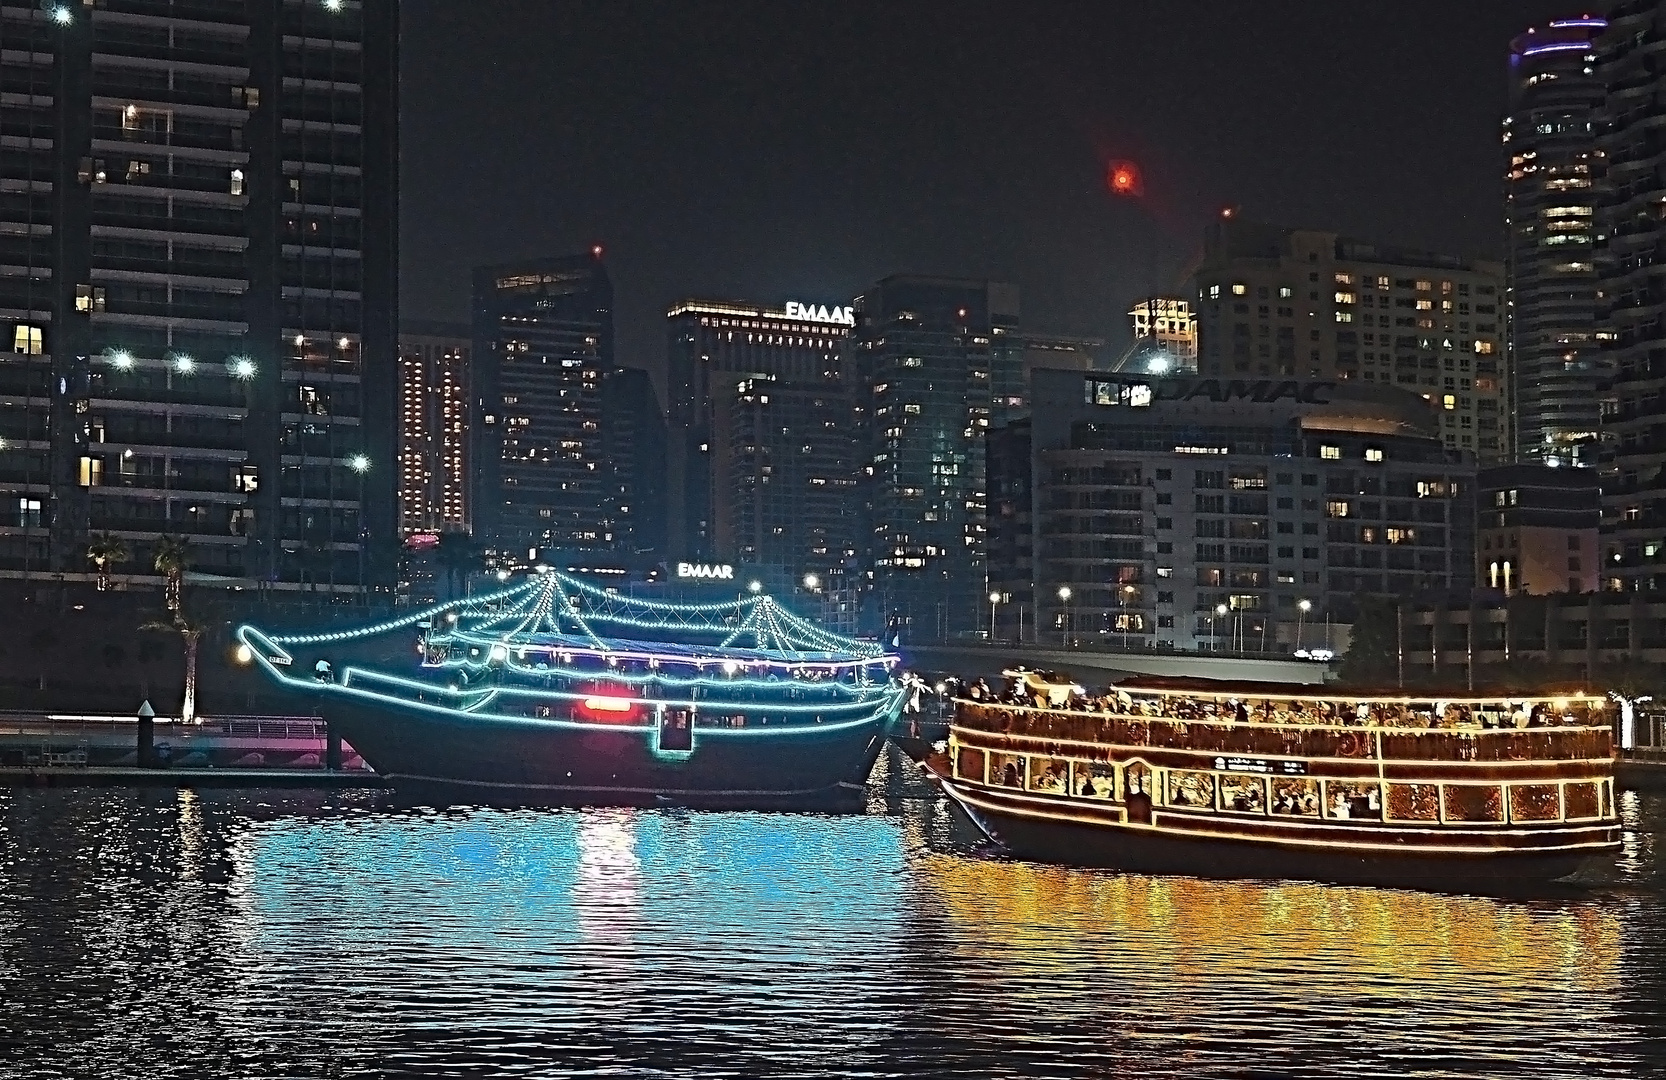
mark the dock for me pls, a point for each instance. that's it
(75, 750)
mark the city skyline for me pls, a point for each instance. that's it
(788, 201)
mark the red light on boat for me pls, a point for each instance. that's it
(599, 704)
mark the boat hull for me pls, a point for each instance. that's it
(1152, 849)
(454, 756)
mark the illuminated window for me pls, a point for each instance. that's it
(1336, 508)
(1239, 288)
(1214, 292)
(1343, 297)
(1285, 292)
(1449, 401)
(1330, 453)
(1483, 348)
(27, 339)
(1372, 453)
(1344, 316)
(1424, 286)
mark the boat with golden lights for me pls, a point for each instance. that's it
(1195, 776)
(559, 691)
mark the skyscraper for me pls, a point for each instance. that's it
(433, 428)
(1631, 309)
(634, 446)
(929, 352)
(1166, 325)
(763, 440)
(543, 343)
(1300, 303)
(1553, 362)
(198, 241)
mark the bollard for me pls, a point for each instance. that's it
(147, 736)
(332, 747)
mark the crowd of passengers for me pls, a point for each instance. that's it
(1437, 714)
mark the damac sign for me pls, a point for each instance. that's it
(1264, 391)
(838, 316)
(711, 571)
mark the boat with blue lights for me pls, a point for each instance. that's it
(559, 691)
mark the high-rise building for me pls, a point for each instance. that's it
(1631, 310)
(1300, 303)
(1010, 375)
(1552, 359)
(761, 437)
(929, 354)
(634, 445)
(1536, 529)
(433, 427)
(543, 344)
(1167, 323)
(1216, 513)
(198, 241)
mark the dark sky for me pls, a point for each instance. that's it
(802, 150)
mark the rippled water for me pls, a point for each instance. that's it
(150, 934)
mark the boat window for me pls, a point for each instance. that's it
(676, 731)
(969, 764)
(1296, 796)
(1096, 781)
(1473, 802)
(1049, 774)
(1245, 794)
(1138, 777)
(1006, 770)
(1534, 802)
(1192, 789)
(1414, 802)
(1580, 800)
(1351, 799)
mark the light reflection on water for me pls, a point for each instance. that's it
(154, 934)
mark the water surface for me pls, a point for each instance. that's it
(154, 934)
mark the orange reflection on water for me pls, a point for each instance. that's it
(1313, 939)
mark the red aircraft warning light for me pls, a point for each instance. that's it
(1124, 178)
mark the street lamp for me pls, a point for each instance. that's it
(1302, 608)
(754, 587)
(812, 582)
(1215, 627)
(994, 598)
(360, 464)
(1064, 598)
(1122, 596)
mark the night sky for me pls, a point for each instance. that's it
(802, 150)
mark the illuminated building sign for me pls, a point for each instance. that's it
(1261, 765)
(1219, 391)
(705, 571)
(838, 316)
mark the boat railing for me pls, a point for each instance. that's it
(1273, 738)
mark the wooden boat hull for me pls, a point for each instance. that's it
(1099, 837)
(454, 757)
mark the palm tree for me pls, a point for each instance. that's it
(171, 557)
(106, 550)
(459, 556)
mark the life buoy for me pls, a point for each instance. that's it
(1518, 747)
(1349, 745)
(1137, 734)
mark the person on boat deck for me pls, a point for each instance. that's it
(1087, 785)
(1340, 809)
(321, 671)
(1240, 712)
(1520, 718)
(1009, 775)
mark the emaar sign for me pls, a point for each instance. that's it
(838, 316)
(687, 571)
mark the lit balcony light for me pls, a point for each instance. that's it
(62, 14)
(241, 367)
(300, 340)
(358, 463)
(122, 360)
(332, 5)
(184, 364)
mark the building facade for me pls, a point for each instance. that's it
(1296, 303)
(713, 349)
(1536, 529)
(929, 353)
(1555, 369)
(763, 445)
(543, 343)
(1167, 323)
(198, 262)
(1632, 308)
(434, 428)
(1232, 514)
(634, 442)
